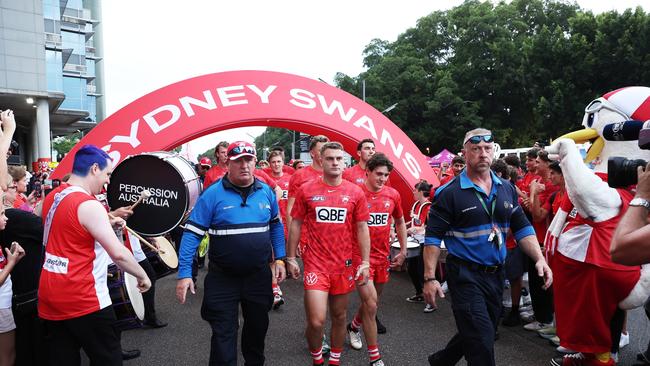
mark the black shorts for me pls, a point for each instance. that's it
(515, 265)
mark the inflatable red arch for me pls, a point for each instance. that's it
(186, 110)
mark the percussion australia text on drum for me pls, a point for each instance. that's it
(159, 196)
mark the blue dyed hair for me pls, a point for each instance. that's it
(86, 156)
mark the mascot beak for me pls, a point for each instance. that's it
(585, 135)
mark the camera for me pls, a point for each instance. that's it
(622, 172)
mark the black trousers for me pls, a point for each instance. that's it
(29, 336)
(94, 333)
(476, 303)
(149, 297)
(542, 299)
(415, 268)
(224, 293)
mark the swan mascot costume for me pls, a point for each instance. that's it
(589, 289)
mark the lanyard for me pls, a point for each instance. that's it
(494, 203)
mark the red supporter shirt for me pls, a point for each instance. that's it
(382, 205)
(541, 226)
(330, 215)
(214, 174)
(524, 183)
(73, 277)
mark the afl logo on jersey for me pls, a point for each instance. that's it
(331, 215)
(311, 278)
(318, 198)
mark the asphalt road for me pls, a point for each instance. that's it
(411, 336)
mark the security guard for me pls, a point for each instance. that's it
(473, 215)
(242, 218)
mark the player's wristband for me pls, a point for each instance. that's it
(280, 262)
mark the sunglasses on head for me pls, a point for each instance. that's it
(478, 139)
(241, 150)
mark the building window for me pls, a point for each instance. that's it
(54, 70)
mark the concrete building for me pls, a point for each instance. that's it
(50, 70)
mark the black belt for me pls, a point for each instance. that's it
(474, 266)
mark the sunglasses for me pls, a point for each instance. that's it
(241, 150)
(12, 187)
(477, 139)
(602, 103)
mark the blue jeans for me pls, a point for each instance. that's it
(476, 303)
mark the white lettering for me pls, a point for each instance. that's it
(386, 137)
(304, 96)
(132, 138)
(412, 165)
(227, 98)
(367, 124)
(115, 155)
(209, 103)
(157, 127)
(336, 105)
(264, 95)
(378, 219)
(331, 215)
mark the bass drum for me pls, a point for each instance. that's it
(172, 181)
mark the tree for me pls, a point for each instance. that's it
(524, 69)
(63, 144)
(271, 137)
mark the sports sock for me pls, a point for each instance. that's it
(356, 322)
(276, 289)
(373, 353)
(317, 356)
(335, 357)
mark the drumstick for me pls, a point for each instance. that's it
(143, 195)
(143, 240)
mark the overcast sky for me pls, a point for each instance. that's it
(149, 44)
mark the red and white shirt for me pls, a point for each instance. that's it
(587, 241)
(283, 183)
(73, 278)
(5, 290)
(329, 215)
(381, 206)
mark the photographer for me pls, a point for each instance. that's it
(630, 245)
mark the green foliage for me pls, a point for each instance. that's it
(63, 144)
(274, 136)
(524, 69)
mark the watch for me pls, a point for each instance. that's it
(429, 279)
(640, 202)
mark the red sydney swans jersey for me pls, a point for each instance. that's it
(329, 215)
(355, 174)
(301, 177)
(283, 183)
(73, 278)
(382, 205)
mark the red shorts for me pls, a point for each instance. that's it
(332, 283)
(379, 273)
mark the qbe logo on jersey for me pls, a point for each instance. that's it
(331, 215)
(378, 219)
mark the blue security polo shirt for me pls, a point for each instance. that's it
(245, 229)
(458, 217)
